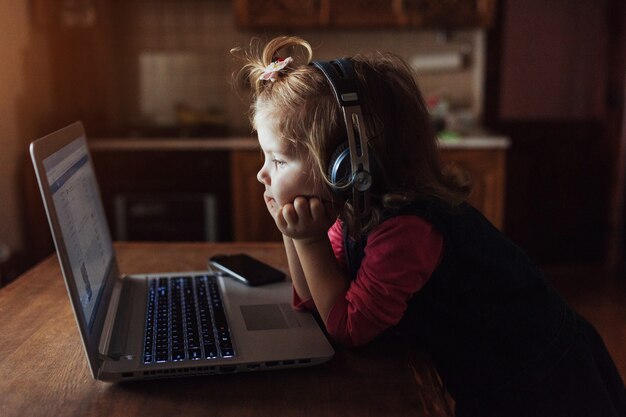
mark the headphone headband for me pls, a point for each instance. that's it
(341, 77)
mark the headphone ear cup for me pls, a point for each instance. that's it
(340, 171)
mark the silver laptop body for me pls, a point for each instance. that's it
(262, 332)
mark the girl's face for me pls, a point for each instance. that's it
(284, 174)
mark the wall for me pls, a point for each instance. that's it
(13, 38)
(551, 69)
(555, 60)
(24, 104)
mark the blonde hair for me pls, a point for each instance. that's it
(402, 142)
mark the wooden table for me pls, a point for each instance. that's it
(43, 369)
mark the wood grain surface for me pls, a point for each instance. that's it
(43, 369)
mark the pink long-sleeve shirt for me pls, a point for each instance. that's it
(400, 256)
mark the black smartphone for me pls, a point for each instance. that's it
(246, 269)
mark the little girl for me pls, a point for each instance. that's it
(400, 250)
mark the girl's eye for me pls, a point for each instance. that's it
(278, 162)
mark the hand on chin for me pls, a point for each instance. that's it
(304, 219)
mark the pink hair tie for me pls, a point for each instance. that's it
(272, 70)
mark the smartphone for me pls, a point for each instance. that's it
(246, 269)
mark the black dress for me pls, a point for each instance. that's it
(503, 341)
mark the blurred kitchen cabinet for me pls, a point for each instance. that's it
(448, 13)
(367, 13)
(486, 169)
(158, 195)
(280, 14)
(412, 13)
(252, 222)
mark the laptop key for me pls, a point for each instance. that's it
(210, 351)
(195, 353)
(227, 353)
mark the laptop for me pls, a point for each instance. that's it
(158, 325)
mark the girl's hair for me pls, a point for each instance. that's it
(402, 141)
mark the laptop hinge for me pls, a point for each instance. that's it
(109, 323)
(114, 357)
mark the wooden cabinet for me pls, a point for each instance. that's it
(157, 195)
(281, 14)
(485, 167)
(251, 220)
(487, 171)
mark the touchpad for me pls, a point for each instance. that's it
(269, 316)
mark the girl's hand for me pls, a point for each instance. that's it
(305, 219)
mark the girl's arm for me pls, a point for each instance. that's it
(402, 255)
(295, 268)
(327, 282)
(306, 222)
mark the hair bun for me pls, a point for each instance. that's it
(284, 46)
(256, 61)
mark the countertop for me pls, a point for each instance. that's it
(250, 143)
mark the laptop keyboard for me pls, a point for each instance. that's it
(185, 321)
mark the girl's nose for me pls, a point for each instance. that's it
(262, 176)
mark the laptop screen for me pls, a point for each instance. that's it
(83, 223)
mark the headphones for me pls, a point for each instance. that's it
(349, 167)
